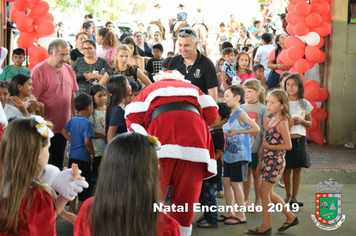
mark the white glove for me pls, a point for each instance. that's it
(50, 173)
(64, 185)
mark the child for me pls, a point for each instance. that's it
(259, 70)
(282, 79)
(28, 206)
(118, 89)
(220, 79)
(221, 36)
(165, 63)
(79, 132)
(237, 153)
(21, 87)
(18, 57)
(19, 108)
(60, 30)
(301, 117)
(242, 66)
(135, 90)
(228, 72)
(257, 111)
(98, 94)
(170, 54)
(154, 65)
(157, 37)
(275, 143)
(128, 182)
(207, 197)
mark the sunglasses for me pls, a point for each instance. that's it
(187, 31)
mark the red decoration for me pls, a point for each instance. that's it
(313, 19)
(290, 7)
(293, 70)
(321, 43)
(16, 14)
(323, 95)
(46, 27)
(24, 23)
(315, 123)
(48, 16)
(321, 8)
(21, 5)
(320, 115)
(302, 8)
(311, 93)
(294, 53)
(323, 29)
(325, 18)
(312, 53)
(285, 59)
(313, 83)
(31, 49)
(302, 65)
(33, 1)
(293, 18)
(317, 136)
(290, 29)
(314, 107)
(40, 54)
(322, 57)
(40, 9)
(301, 29)
(293, 41)
(26, 39)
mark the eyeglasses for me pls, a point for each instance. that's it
(187, 31)
(59, 77)
(88, 49)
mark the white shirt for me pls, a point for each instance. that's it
(11, 111)
(261, 57)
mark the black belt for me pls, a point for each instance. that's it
(173, 106)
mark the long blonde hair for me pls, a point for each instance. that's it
(283, 98)
(20, 149)
(256, 85)
(116, 63)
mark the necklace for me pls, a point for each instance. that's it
(253, 102)
(188, 68)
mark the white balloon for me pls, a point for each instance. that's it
(301, 38)
(312, 38)
(45, 41)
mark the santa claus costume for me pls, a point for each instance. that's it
(178, 113)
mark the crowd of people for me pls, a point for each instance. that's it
(247, 115)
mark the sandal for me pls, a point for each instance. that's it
(220, 194)
(238, 221)
(256, 231)
(288, 225)
(206, 224)
(200, 219)
(222, 218)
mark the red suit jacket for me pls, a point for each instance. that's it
(183, 134)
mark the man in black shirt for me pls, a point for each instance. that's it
(196, 67)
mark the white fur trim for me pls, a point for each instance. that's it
(174, 74)
(142, 106)
(188, 154)
(186, 231)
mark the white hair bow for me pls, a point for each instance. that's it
(153, 139)
(43, 127)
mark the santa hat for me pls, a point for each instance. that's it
(169, 74)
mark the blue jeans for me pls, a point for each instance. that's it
(207, 197)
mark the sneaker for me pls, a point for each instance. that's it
(350, 144)
(280, 184)
(206, 224)
(353, 21)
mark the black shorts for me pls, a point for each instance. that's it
(298, 156)
(236, 171)
(85, 167)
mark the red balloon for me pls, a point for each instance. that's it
(302, 8)
(313, 19)
(30, 66)
(33, 61)
(323, 29)
(40, 9)
(322, 57)
(24, 23)
(290, 29)
(293, 18)
(16, 14)
(285, 59)
(312, 83)
(33, 1)
(46, 27)
(323, 95)
(290, 7)
(301, 29)
(31, 49)
(293, 70)
(314, 124)
(316, 1)
(325, 18)
(311, 64)
(21, 5)
(48, 16)
(294, 53)
(291, 41)
(295, 1)
(40, 54)
(311, 93)
(302, 66)
(321, 43)
(321, 8)
(26, 39)
(10, 0)
(312, 53)
(317, 136)
(320, 114)
(314, 107)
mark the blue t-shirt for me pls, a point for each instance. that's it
(237, 147)
(117, 118)
(80, 128)
(254, 30)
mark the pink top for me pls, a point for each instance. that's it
(246, 76)
(55, 96)
(279, 61)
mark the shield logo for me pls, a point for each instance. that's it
(197, 73)
(328, 207)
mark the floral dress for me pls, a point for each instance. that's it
(274, 162)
